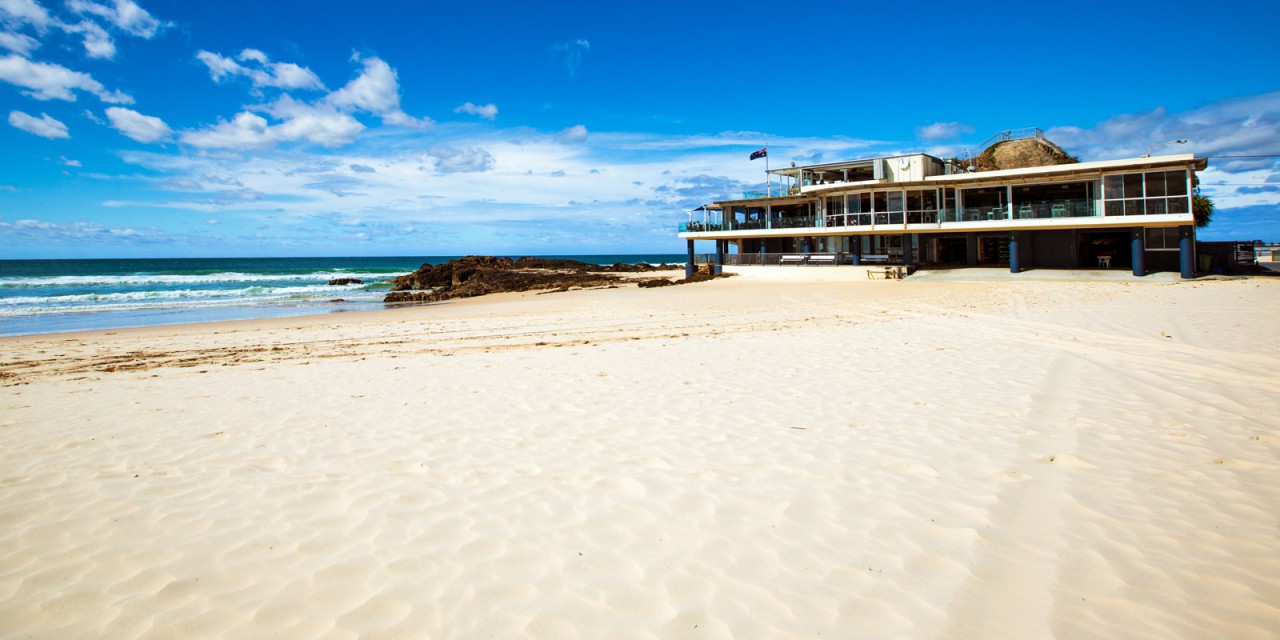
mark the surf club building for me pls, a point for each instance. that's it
(918, 210)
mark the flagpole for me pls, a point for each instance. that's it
(768, 184)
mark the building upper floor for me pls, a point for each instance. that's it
(920, 193)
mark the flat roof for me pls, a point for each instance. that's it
(832, 166)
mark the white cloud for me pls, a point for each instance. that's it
(262, 73)
(45, 81)
(125, 15)
(41, 231)
(25, 12)
(254, 55)
(244, 131)
(18, 43)
(317, 124)
(68, 162)
(942, 131)
(376, 90)
(219, 66)
(97, 43)
(461, 160)
(576, 133)
(488, 111)
(138, 127)
(44, 126)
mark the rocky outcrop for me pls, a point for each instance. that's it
(459, 271)
(481, 275)
(345, 281)
(701, 275)
(1021, 154)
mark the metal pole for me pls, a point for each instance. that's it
(768, 184)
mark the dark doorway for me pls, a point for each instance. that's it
(952, 251)
(1105, 250)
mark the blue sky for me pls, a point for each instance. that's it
(171, 128)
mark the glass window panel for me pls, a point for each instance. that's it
(914, 201)
(1115, 207)
(1155, 184)
(930, 199)
(1155, 206)
(1134, 208)
(895, 201)
(1179, 205)
(878, 200)
(1133, 185)
(1155, 238)
(835, 206)
(1175, 183)
(1113, 187)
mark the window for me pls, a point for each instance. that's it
(1165, 239)
(1152, 193)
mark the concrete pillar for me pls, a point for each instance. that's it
(1186, 253)
(906, 250)
(1138, 251)
(719, 265)
(1015, 255)
(855, 249)
(971, 249)
(689, 266)
(762, 252)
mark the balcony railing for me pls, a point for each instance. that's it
(695, 227)
(1048, 209)
(892, 255)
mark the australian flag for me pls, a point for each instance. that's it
(760, 154)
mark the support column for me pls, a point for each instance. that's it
(1186, 252)
(719, 265)
(1138, 251)
(762, 252)
(689, 266)
(906, 250)
(971, 249)
(1015, 255)
(855, 249)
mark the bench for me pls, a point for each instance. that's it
(797, 259)
(822, 259)
(875, 257)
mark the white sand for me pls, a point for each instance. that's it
(736, 459)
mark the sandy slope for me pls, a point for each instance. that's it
(730, 459)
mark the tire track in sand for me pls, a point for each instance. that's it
(1009, 593)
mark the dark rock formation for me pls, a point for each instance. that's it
(481, 275)
(345, 281)
(701, 275)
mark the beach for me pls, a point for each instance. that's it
(741, 458)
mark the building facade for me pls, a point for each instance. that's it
(916, 210)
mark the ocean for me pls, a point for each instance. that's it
(55, 296)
